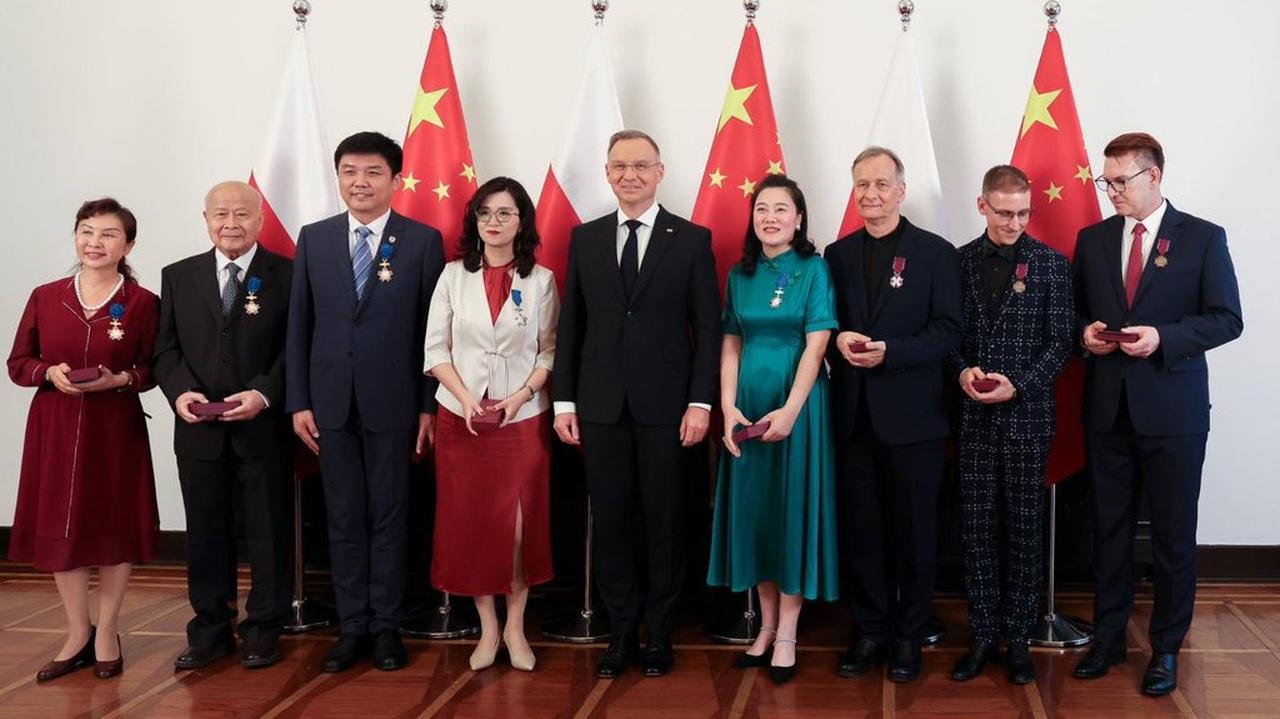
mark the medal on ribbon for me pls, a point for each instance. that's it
(1162, 249)
(776, 302)
(115, 333)
(251, 306)
(517, 299)
(1020, 278)
(384, 265)
(899, 264)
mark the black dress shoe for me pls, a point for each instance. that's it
(388, 651)
(862, 657)
(658, 658)
(1097, 663)
(1162, 675)
(616, 659)
(904, 660)
(1019, 665)
(343, 655)
(79, 660)
(970, 665)
(260, 652)
(747, 661)
(196, 657)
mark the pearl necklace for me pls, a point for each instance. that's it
(100, 305)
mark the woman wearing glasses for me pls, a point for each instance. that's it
(491, 342)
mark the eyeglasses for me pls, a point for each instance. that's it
(620, 168)
(503, 215)
(1007, 215)
(1117, 184)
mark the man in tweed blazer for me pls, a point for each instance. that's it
(1018, 325)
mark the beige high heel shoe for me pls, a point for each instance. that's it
(482, 658)
(525, 660)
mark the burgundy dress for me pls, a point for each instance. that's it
(86, 496)
(480, 480)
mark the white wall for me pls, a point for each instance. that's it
(152, 102)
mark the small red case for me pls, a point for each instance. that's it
(1113, 336)
(858, 347)
(750, 432)
(984, 385)
(211, 409)
(491, 419)
(84, 374)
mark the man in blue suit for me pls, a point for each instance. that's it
(357, 319)
(1166, 278)
(898, 293)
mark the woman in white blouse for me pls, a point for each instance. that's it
(491, 343)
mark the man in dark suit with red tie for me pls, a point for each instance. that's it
(1164, 278)
(362, 282)
(638, 348)
(898, 302)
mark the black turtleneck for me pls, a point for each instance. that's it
(877, 261)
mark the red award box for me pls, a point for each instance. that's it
(84, 374)
(750, 432)
(211, 409)
(858, 347)
(983, 386)
(491, 419)
(1112, 336)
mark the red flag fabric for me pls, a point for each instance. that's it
(1051, 150)
(439, 177)
(746, 147)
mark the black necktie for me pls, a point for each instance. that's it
(630, 265)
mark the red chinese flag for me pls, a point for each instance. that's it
(1051, 150)
(439, 176)
(746, 148)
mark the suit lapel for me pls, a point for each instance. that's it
(660, 239)
(905, 245)
(340, 251)
(392, 229)
(858, 281)
(1112, 261)
(205, 284)
(971, 268)
(1170, 228)
(606, 246)
(1026, 255)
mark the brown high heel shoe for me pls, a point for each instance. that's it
(79, 660)
(106, 670)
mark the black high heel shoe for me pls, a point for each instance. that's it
(782, 675)
(748, 661)
(79, 660)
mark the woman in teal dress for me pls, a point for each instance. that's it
(775, 525)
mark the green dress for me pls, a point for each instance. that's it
(775, 514)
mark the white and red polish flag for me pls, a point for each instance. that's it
(294, 173)
(576, 189)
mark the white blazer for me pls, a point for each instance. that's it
(493, 358)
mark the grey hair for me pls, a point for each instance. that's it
(877, 151)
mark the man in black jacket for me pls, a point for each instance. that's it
(221, 339)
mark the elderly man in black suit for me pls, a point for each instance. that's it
(221, 339)
(1018, 324)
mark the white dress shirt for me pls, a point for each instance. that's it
(1152, 223)
(378, 225)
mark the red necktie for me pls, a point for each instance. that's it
(1133, 272)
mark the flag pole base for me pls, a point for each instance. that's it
(308, 615)
(741, 629)
(446, 621)
(582, 627)
(1059, 631)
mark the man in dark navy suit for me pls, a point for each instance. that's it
(357, 319)
(1165, 277)
(898, 292)
(1019, 328)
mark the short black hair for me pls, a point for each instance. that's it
(371, 143)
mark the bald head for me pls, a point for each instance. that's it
(233, 213)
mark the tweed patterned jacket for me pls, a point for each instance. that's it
(1028, 340)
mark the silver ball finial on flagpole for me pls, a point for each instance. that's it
(751, 6)
(1052, 10)
(599, 7)
(301, 9)
(905, 9)
(437, 9)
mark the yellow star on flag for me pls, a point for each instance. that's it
(1038, 109)
(775, 168)
(410, 182)
(442, 191)
(716, 178)
(735, 105)
(424, 109)
(1083, 174)
(468, 172)
(747, 187)
(1054, 192)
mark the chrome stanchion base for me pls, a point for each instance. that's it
(446, 621)
(1061, 632)
(933, 632)
(308, 615)
(740, 630)
(582, 627)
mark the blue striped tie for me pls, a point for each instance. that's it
(361, 260)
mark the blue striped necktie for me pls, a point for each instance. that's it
(361, 260)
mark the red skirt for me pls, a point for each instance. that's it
(480, 481)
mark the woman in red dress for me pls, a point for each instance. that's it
(86, 496)
(491, 336)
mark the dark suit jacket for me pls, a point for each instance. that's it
(1028, 339)
(372, 351)
(197, 349)
(920, 323)
(658, 352)
(1193, 302)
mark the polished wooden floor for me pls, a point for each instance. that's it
(1229, 668)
